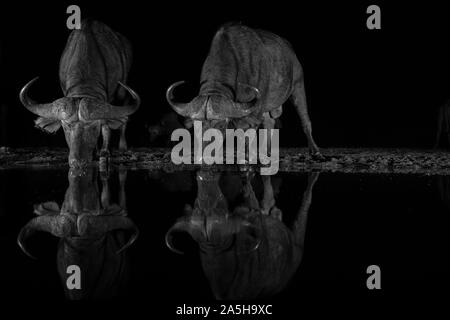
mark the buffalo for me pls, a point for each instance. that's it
(93, 70)
(247, 76)
(93, 232)
(247, 252)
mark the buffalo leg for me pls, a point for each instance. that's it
(123, 142)
(122, 195)
(268, 200)
(298, 98)
(106, 193)
(106, 134)
(299, 227)
(248, 194)
(104, 151)
(269, 125)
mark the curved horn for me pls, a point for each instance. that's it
(24, 233)
(130, 241)
(256, 246)
(183, 109)
(177, 227)
(124, 111)
(43, 110)
(242, 109)
(55, 225)
(96, 110)
(259, 232)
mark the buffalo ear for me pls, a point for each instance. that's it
(114, 123)
(47, 208)
(48, 124)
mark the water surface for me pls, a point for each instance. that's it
(281, 239)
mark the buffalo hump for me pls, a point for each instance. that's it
(94, 60)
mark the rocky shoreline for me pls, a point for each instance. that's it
(345, 160)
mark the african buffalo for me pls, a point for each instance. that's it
(247, 76)
(246, 252)
(93, 234)
(93, 71)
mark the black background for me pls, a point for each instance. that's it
(365, 88)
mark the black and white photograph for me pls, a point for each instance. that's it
(224, 159)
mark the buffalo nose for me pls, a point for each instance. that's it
(211, 114)
(77, 163)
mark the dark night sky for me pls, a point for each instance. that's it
(364, 88)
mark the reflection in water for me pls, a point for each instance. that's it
(247, 252)
(93, 234)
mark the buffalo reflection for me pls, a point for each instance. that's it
(93, 234)
(246, 252)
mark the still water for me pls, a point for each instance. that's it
(202, 236)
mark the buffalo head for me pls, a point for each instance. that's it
(211, 224)
(93, 235)
(215, 107)
(81, 119)
(247, 253)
